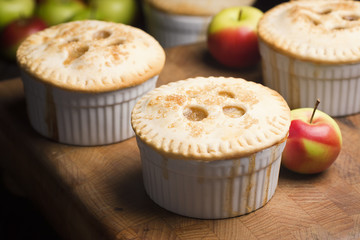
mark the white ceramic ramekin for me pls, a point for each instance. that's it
(211, 190)
(302, 82)
(174, 29)
(85, 119)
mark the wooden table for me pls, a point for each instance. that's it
(98, 193)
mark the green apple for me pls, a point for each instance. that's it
(11, 10)
(232, 36)
(121, 11)
(86, 13)
(58, 11)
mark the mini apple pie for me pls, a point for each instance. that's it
(211, 147)
(310, 50)
(82, 79)
(178, 22)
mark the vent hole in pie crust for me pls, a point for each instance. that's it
(195, 113)
(325, 12)
(339, 28)
(117, 42)
(315, 22)
(73, 40)
(101, 35)
(227, 94)
(76, 53)
(233, 111)
(351, 18)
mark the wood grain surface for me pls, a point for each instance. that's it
(97, 192)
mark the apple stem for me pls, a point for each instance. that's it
(315, 107)
(240, 13)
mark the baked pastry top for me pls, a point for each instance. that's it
(91, 56)
(318, 31)
(211, 118)
(198, 7)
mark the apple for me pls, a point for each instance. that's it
(232, 36)
(120, 11)
(314, 141)
(86, 13)
(14, 9)
(15, 32)
(58, 11)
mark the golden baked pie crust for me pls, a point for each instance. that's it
(316, 31)
(211, 118)
(91, 56)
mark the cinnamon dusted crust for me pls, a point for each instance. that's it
(211, 118)
(91, 56)
(318, 31)
(196, 8)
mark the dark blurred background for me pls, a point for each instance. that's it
(19, 217)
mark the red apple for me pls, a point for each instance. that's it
(232, 36)
(312, 146)
(14, 33)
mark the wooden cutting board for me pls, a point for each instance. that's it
(97, 192)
